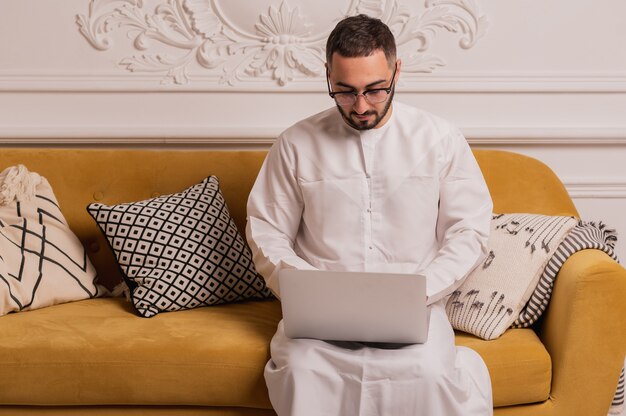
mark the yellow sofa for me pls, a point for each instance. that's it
(97, 357)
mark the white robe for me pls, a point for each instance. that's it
(407, 197)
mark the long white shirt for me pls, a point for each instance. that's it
(407, 197)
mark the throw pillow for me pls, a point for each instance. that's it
(180, 251)
(42, 262)
(585, 235)
(493, 295)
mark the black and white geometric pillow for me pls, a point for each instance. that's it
(180, 251)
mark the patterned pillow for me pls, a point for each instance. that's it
(42, 262)
(180, 251)
(495, 293)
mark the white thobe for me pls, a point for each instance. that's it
(407, 197)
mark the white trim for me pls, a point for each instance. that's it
(441, 82)
(559, 135)
(151, 134)
(586, 189)
(131, 135)
(517, 82)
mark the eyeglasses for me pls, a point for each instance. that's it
(373, 96)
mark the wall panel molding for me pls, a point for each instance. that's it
(550, 82)
(563, 136)
(553, 135)
(124, 137)
(594, 189)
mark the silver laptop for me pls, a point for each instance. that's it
(354, 306)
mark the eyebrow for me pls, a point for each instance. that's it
(371, 84)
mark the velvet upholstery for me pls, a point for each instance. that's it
(97, 357)
(519, 183)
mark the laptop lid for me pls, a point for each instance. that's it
(354, 306)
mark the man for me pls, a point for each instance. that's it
(375, 186)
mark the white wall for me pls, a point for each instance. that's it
(543, 78)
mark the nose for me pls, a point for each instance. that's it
(360, 105)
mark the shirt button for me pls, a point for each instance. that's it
(369, 210)
(371, 247)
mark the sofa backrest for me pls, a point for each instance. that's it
(520, 183)
(81, 176)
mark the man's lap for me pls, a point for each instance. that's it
(438, 351)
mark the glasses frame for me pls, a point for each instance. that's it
(355, 94)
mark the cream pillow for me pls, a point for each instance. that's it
(42, 262)
(493, 295)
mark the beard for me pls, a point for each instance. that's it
(365, 125)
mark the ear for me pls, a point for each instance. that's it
(399, 70)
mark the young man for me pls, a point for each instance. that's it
(374, 186)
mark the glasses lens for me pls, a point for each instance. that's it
(375, 97)
(372, 97)
(345, 98)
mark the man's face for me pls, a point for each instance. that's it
(360, 74)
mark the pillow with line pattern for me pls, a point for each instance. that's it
(42, 262)
(497, 291)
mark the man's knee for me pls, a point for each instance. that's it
(295, 356)
(433, 371)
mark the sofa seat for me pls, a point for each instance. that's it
(97, 352)
(517, 358)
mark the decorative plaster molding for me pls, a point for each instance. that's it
(496, 82)
(553, 135)
(130, 139)
(283, 47)
(209, 134)
(586, 189)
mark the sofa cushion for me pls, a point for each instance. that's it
(180, 251)
(519, 365)
(98, 352)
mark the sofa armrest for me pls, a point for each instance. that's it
(584, 332)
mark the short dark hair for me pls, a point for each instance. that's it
(361, 35)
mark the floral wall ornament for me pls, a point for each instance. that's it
(415, 33)
(281, 46)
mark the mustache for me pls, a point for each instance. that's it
(367, 113)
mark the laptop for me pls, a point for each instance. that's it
(354, 306)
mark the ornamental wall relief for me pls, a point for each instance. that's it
(275, 40)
